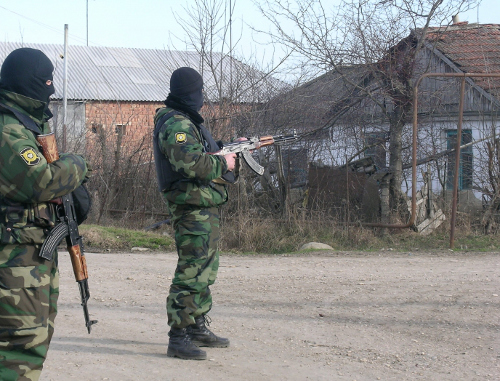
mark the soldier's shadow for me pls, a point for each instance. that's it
(107, 346)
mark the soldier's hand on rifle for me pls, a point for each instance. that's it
(230, 160)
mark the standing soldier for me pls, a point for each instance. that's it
(28, 283)
(189, 179)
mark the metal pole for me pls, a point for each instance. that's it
(430, 194)
(65, 86)
(281, 180)
(231, 49)
(457, 164)
(347, 196)
(87, 22)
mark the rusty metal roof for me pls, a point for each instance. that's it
(473, 48)
(123, 74)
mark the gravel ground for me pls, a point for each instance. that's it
(317, 316)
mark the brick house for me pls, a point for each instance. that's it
(112, 95)
(119, 89)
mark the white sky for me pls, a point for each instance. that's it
(115, 23)
(136, 23)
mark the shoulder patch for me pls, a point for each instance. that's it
(29, 156)
(180, 137)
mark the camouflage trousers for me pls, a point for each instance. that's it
(196, 238)
(29, 288)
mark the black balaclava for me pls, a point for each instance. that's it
(187, 84)
(25, 71)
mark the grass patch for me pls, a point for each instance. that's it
(110, 238)
(257, 236)
(477, 243)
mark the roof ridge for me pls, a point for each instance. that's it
(461, 26)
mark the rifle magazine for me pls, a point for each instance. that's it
(53, 240)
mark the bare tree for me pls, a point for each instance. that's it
(492, 187)
(381, 38)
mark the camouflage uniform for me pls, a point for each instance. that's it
(193, 200)
(29, 285)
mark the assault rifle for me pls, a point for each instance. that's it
(244, 148)
(67, 227)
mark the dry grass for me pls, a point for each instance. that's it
(248, 233)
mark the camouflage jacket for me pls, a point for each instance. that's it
(181, 142)
(27, 181)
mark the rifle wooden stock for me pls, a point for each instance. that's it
(49, 147)
(79, 263)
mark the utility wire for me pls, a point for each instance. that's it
(51, 28)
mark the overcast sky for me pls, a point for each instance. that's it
(114, 23)
(135, 23)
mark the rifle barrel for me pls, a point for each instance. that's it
(85, 295)
(281, 139)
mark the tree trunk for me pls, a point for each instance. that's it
(395, 156)
(397, 124)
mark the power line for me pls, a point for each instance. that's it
(32, 20)
(51, 28)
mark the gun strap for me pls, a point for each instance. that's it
(25, 120)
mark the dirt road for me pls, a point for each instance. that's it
(320, 316)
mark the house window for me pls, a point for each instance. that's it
(375, 141)
(96, 128)
(121, 129)
(465, 170)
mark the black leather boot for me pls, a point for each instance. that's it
(202, 336)
(180, 345)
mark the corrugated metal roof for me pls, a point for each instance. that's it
(122, 74)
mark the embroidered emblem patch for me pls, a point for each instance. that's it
(180, 137)
(30, 156)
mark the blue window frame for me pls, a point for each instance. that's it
(465, 169)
